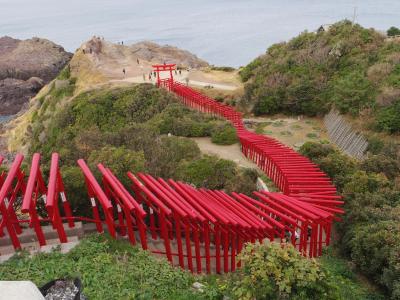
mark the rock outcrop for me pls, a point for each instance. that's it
(25, 66)
(164, 53)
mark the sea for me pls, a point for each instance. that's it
(223, 32)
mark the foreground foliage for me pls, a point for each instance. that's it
(347, 66)
(370, 231)
(112, 269)
(274, 272)
(109, 269)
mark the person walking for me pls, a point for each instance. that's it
(123, 71)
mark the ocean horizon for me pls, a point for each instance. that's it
(222, 32)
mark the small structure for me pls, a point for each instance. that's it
(324, 28)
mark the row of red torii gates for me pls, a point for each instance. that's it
(200, 229)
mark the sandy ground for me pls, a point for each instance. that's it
(182, 78)
(230, 152)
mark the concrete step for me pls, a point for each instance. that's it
(29, 235)
(34, 247)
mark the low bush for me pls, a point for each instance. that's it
(223, 68)
(274, 271)
(224, 135)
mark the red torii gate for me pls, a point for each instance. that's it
(166, 82)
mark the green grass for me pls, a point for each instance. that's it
(349, 284)
(109, 269)
(312, 135)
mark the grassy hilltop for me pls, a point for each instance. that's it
(350, 67)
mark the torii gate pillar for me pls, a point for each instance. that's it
(165, 82)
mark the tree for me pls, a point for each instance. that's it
(352, 93)
(393, 31)
(388, 119)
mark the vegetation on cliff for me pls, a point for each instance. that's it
(350, 67)
(369, 233)
(139, 128)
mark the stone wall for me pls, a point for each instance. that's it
(341, 133)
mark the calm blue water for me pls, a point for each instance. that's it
(224, 32)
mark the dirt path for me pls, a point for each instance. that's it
(231, 152)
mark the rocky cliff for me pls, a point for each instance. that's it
(25, 66)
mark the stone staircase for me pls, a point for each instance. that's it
(30, 243)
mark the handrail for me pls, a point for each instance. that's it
(15, 167)
(26, 203)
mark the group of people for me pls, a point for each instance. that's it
(154, 74)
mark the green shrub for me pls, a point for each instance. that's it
(375, 144)
(223, 68)
(164, 158)
(120, 160)
(382, 164)
(388, 119)
(208, 171)
(393, 31)
(274, 271)
(181, 121)
(316, 150)
(376, 250)
(224, 135)
(369, 232)
(352, 93)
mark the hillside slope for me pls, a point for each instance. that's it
(353, 68)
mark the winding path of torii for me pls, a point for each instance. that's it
(198, 229)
